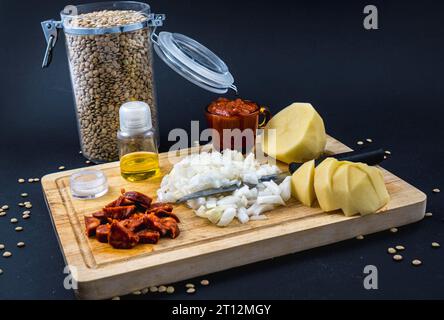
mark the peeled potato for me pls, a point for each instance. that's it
(359, 188)
(296, 134)
(341, 188)
(323, 185)
(302, 184)
(377, 180)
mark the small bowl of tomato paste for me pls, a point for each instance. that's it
(235, 123)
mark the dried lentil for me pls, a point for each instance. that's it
(115, 298)
(397, 257)
(20, 244)
(360, 237)
(428, 214)
(14, 220)
(5, 207)
(417, 262)
(436, 190)
(369, 140)
(21, 180)
(137, 293)
(18, 229)
(191, 290)
(400, 248)
(394, 230)
(205, 282)
(189, 285)
(360, 143)
(7, 254)
(2, 246)
(154, 289)
(391, 250)
(60, 168)
(435, 245)
(162, 289)
(24, 195)
(170, 290)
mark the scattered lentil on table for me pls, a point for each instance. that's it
(205, 282)
(20, 244)
(436, 190)
(435, 245)
(417, 262)
(360, 237)
(391, 250)
(191, 290)
(394, 230)
(162, 289)
(369, 140)
(18, 229)
(21, 180)
(154, 289)
(399, 247)
(7, 254)
(428, 214)
(170, 290)
(397, 257)
(360, 143)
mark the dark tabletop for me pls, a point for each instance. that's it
(383, 84)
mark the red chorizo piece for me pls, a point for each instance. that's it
(163, 211)
(119, 213)
(121, 237)
(121, 201)
(148, 236)
(165, 226)
(102, 233)
(164, 206)
(138, 198)
(135, 223)
(91, 224)
(171, 226)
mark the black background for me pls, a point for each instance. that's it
(384, 84)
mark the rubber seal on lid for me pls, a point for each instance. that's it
(88, 184)
(193, 61)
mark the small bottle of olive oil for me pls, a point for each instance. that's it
(139, 158)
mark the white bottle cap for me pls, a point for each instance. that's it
(135, 117)
(88, 184)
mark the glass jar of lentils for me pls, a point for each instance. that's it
(110, 59)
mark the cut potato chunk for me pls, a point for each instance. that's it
(363, 195)
(377, 180)
(359, 188)
(296, 134)
(323, 185)
(341, 188)
(302, 184)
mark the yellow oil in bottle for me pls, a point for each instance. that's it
(139, 166)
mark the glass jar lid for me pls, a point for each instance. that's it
(193, 61)
(88, 184)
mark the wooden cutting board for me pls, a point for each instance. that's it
(202, 248)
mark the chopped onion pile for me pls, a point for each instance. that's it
(245, 204)
(215, 170)
(203, 171)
